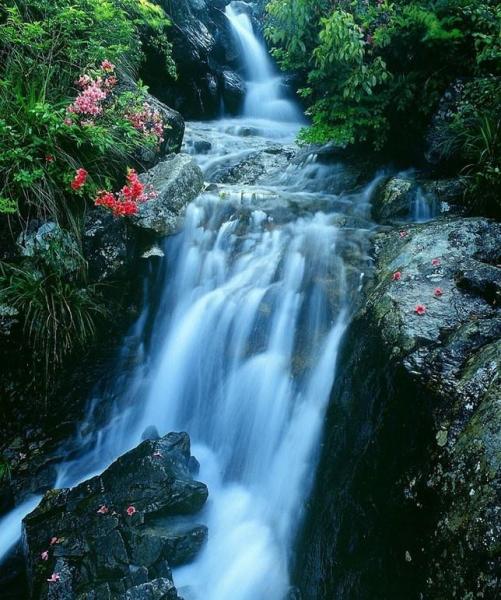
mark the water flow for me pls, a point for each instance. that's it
(265, 88)
(237, 346)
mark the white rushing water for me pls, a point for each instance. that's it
(238, 344)
(265, 88)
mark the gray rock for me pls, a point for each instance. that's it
(394, 199)
(56, 247)
(158, 589)
(453, 351)
(177, 181)
(102, 550)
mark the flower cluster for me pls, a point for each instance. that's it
(126, 201)
(79, 179)
(94, 91)
(147, 121)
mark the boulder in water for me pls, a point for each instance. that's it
(116, 535)
(177, 181)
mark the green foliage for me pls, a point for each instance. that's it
(392, 60)
(472, 137)
(58, 312)
(374, 71)
(45, 46)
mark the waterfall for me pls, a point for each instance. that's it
(265, 88)
(237, 343)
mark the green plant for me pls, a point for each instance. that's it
(59, 314)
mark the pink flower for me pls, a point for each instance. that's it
(403, 233)
(131, 511)
(420, 309)
(438, 292)
(54, 578)
(49, 158)
(79, 179)
(54, 540)
(45, 555)
(68, 122)
(397, 276)
(436, 262)
(108, 66)
(103, 510)
(88, 102)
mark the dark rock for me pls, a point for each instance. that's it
(452, 352)
(233, 91)
(203, 48)
(104, 245)
(177, 180)
(110, 553)
(202, 146)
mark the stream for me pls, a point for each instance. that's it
(238, 342)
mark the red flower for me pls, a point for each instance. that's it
(397, 276)
(420, 309)
(438, 292)
(49, 158)
(79, 179)
(436, 262)
(54, 578)
(131, 510)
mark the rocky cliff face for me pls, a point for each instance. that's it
(409, 481)
(118, 534)
(435, 303)
(206, 56)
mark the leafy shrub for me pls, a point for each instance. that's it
(374, 71)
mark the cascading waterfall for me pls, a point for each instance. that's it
(265, 88)
(241, 350)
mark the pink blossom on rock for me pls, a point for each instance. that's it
(54, 578)
(436, 262)
(404, 233)
(420, 309)
(438, 292)
(103, 510)
(397, 276)
(131, 510)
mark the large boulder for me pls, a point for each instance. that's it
(116, 535)
(203, 48)
(450, 347)
(177, 181)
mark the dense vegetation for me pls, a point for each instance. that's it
(72, 122)
(374, 72)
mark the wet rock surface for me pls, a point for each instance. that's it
(177, 180)
(452, 350)
(207, 60)
(117, 534)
